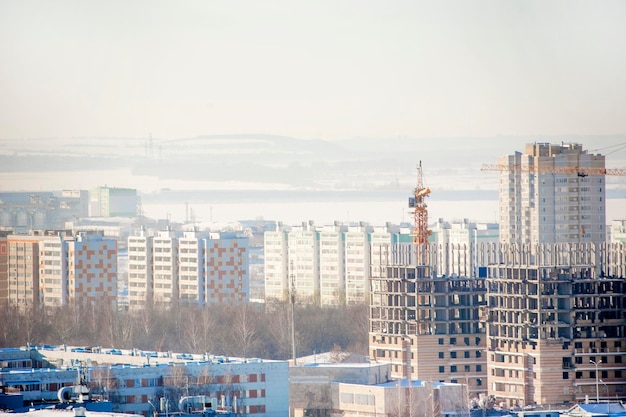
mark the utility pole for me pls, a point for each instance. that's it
(293, 315)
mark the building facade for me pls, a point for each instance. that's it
(92, 269)
(134, 381)
(555, 313)
(113, 202)
(4, 269)
(428, 326)
(331, 258)
(552, 194)
(303, 266)
(459, 246)
(23, 267)
(54, 268)
(191, 267)
(165, 275)
(327, 265)
(557, 325)
(276, 264)
(140, 271)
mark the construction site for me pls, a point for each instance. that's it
(539, 319)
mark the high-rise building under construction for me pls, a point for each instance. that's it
(556, 296)
(542, 317)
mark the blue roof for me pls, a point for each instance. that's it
(604, 408)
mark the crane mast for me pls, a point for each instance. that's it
(420, 214)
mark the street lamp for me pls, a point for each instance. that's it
(597, 380)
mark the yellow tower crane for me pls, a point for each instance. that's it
(420, 215)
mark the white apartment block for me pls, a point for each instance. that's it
(357, 263)
(53, 271)
(192, 266)
(327, 265)
(140, 284)
(332, 277)
(302, 251)
(546, 196)
(460, 246)
(618, 231)
(276, 264)
(164, 258)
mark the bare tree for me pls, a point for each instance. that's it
(244, 333)
(279, 329)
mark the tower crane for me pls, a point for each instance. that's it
(420, 214)
(540, 169)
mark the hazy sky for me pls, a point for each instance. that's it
(311, 69)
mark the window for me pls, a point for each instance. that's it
(579, 374)
(453, 355)
(441, 341)
(442, 369)
(565, 375)
(440, 355)
(453, 368)
(466, 354)
(453, 340)
(479, 368)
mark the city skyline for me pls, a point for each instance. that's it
(245, 177)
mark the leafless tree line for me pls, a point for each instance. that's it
(241, 330)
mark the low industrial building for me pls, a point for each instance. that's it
(133, 380)
(365, 389)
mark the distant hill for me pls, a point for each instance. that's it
(279, 162)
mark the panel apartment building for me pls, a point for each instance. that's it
(552, 194)
(326, 265)
(192, 266)
(54, 268)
